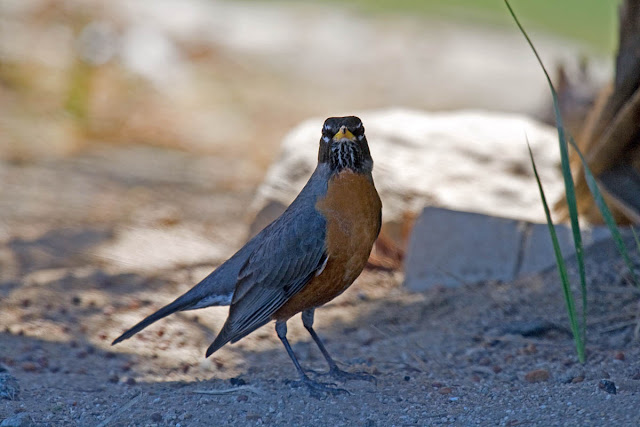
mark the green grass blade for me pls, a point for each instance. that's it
(569, 185)
(635, 236)
(578, 338)
(606, 214)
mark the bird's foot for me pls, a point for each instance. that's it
(317, 389)
(341, 375)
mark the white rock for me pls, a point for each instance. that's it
(470, 161)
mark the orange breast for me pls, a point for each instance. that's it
(352, 209)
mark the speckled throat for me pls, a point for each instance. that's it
(348, 155)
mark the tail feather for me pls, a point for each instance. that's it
(217, 344)
(214, 290)
(223, 337)
(226, 334)
(178, 305)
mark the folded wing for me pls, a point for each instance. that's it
(293, 250)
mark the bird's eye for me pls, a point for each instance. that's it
(328, 130)
(326, 138)
(358, 130)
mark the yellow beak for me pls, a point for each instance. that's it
(344, 133)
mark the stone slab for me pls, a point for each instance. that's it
(452, 248)
(537, 248)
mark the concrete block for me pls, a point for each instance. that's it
(537, 252)
(537, 248)
(451, 248)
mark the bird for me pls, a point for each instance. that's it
(305, 258)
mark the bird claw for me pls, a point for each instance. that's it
(318, 389)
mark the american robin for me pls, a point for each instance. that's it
(305, 258)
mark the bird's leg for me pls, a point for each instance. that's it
(334, 371)
(314, 386)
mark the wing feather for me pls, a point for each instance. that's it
(292, 252)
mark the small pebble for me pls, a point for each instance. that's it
(130, 381)
(29, 367)
(237, 381)
(242, 398)
(608, 386)
(536, 376)
(619, 356)
(445, 390)
(156, 417)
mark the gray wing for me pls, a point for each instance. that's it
(292, 251)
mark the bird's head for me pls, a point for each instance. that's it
(344, 146)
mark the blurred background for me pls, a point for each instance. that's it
(229, 78)
(225, 80)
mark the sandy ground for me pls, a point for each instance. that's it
(71, 281)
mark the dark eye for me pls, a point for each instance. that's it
(326, 133)
(358, 129)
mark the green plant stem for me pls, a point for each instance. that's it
(570, 193)
(562, 268)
